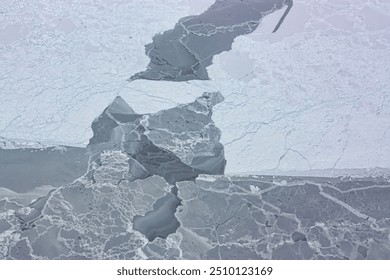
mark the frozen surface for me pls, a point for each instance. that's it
(316, 93)
(25, 169)
(220, 217)
(161, 221)
(184, 53)
(260, 217)
(263, 135)
(177, 144)
(135, 202)
(313, 95)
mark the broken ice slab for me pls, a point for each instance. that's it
(220, 217)
(184, 52)
(177, 143)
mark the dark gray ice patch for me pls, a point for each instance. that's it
(184, 53)
(213, 217)
(177, 144)
(121, 112)
(119, 106)
(4, 225)
(362, 250)
(298, 236)
(166, 164)
(79, 197)
(296, 221)
(102, 127)
(47, 245)
(116, 241)
(21, 251)
(289, 6)
(27, 220)
(161, 221)
(22, 170)
(377, 251)
(118, 112)
(214, 164)
(137, 170)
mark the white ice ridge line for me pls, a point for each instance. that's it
(345, 205)
(358, 189)
(269, 189)
(220, 29)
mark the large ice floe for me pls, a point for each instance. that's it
(154, 188)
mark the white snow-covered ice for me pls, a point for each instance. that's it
(314, 95)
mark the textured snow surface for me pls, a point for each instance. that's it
(314, 95)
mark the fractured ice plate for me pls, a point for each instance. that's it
(184, 53)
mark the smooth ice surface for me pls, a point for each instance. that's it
(161, 221)
(24, 169)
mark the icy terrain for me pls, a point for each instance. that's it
(184, 52)
(249, 129)
(154, 189)
(314, 95)
(317, 91)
